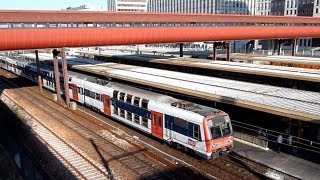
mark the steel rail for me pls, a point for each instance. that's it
(56, 144)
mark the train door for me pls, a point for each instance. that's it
(157, 125)
(74, 92)
(106, 104)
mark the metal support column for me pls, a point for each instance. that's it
(38, 71)
(227, 46)
(279, 46)
(56, 74)
(214, 54)
(181, 49)
(293, 47)
(65, 78)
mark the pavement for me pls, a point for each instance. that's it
(289, 164)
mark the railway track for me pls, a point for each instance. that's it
(81, 166)
(258, 170)
(152, 166)
(261, 170)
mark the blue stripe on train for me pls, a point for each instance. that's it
(187, 131)
(131, 108)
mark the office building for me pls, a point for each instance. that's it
(202, 6)
(263, 7)
(127, 5)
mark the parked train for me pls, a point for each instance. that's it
(198, 129)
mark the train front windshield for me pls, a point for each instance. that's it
(220, 127)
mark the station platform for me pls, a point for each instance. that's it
(302, 74)
(297, 104)
(283, 162)
(203, 53)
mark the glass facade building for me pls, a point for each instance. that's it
(202, 6)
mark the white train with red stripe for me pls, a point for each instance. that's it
(195, 128)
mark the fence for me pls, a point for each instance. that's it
(263, 137)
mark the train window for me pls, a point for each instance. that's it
(196, 132)
(129, 116)
(121, 113)
(129, 98)
(115, 111)
(80, 90)
(115, 94)
(144, 104)
(92, 94)
(153, 119)
(137, 119)
(144, 122)
(216, 132)
(225, 128)
(136, 101)
(98, 97)
(121, 96)
(180, 122)
(86, 92)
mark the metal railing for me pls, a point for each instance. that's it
(143, 24)
(263, 137)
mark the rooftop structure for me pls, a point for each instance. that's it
(127, 5)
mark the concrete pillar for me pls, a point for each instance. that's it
(65, 78)
(38, 71)
(214, 52)
(181, 49)
(293, 47)
(227, 46)
(56, 73)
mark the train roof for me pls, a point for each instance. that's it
(142, 93)
(127, 89)
(156, 97)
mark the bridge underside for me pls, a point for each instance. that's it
(29, 38)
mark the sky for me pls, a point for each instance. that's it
(49, 4)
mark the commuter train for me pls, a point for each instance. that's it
(195, 128)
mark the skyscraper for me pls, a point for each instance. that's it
(202, 6)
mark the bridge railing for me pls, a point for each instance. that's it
(144, 24)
